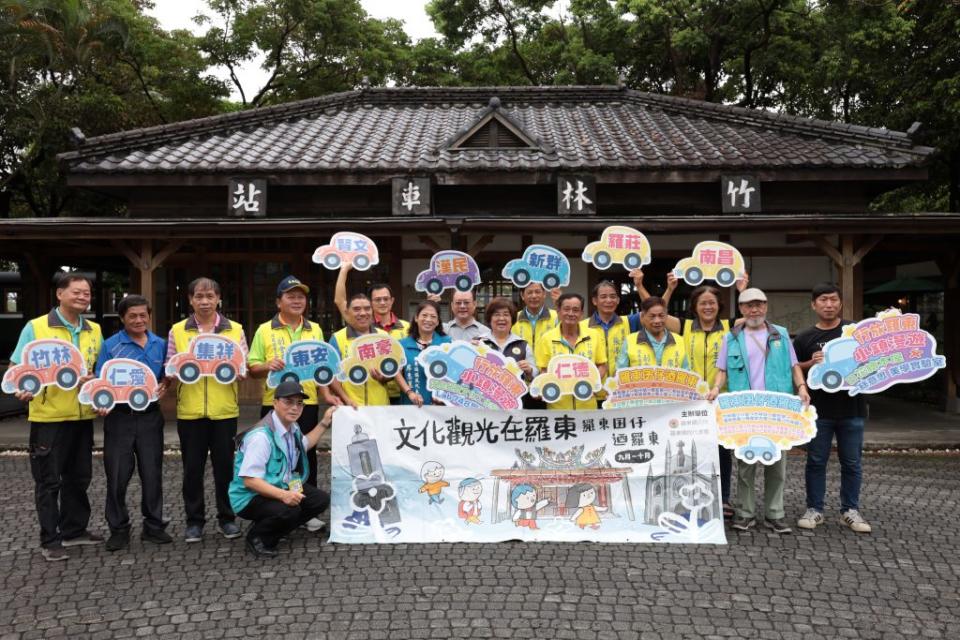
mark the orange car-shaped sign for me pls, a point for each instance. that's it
(45, 362)
(346, 246)
(121, 381)
(209, 355)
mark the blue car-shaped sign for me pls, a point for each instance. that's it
(449, 364)
(838, 363)
(758, 447)
(307, 360)
(539, 263)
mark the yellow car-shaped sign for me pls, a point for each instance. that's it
(374, 352)
(567, 375)
(620, 245)
(718, 261)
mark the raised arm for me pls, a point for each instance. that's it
(340, 290)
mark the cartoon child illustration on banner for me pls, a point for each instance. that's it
(469, 508)
(475, 376)
(449, 270)
(539, 264)
(760, 425)
(45, 362)
(717, 261)
(346, 246)
(433, 482)
(523, 498)
(582, 501)
(618, 245)
(877, 353)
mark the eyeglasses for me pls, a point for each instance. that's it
(292, 402)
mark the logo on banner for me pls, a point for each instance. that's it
(449, 270)
(462, 374)
(121, 381)
(346, 246)
(643, 386)
(540, 263)
(618, 245)
(45, 362)
(567, 375)
(374, 352)
(717, 261)
(312, 360)
(760, 425)
(877, 353)
(208, 355)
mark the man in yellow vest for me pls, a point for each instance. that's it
(267, 351)
(653, 345)
(373, 392)
(381, 300)
(207, 413)
(535, 319)
(571, 337)
(605, 320)
(61, 429)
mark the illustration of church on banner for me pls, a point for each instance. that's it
(679, 469)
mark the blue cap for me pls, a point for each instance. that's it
(291, 282)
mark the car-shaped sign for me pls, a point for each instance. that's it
(45, 362)
(346, 246)
(307, 360)
(539, 263)
(718, 261)
(838, 362)
(618, 245)
(208, 355)
(121, 381)
(449, 270)
(375, 352)
(758, 447)
(567, 375)
(449, 363)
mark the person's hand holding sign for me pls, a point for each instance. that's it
(743, 281)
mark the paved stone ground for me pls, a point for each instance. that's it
(902, 581)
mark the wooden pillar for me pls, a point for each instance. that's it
(848, 262)
(146, 262)
(950, 267)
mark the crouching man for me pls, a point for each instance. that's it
(270, 468)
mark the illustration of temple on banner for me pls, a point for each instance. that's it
(680, 468)
(553, 474)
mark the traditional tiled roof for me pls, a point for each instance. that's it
(575, 128)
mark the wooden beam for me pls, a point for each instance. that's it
(828, 249)
(131, 255)
(172, 247)
(846, 277)
(865, 248)
(430, 243)
(480, 244)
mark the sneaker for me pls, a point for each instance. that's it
(314, 524)
(194, 533)
(853, 519)
(779, 525)
(230, 530)
(743, 524)
(810, 519)
(157, 536)
(53, 554)
(84, 538)
(118, 540)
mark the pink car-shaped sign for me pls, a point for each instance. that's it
(346, 246)
(45, 362)
(209, 355)
(121, 381)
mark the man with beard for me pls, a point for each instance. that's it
(759, 356)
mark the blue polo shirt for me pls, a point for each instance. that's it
(120, 345)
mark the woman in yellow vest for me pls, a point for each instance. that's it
(703, 334)
(653, 345)
(207, 413)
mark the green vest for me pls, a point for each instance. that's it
(240, 495)
(777, 371)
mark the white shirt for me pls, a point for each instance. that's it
(258, 446)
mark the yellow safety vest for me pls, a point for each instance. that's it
(641, 353)
(400, 330)
(206, 398)
(547, 320)
(615, 338)
(702, 347)
(276, 340)
(590, 345)
(53, 404)
(371, 393)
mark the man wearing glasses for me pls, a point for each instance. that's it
(270, 470)
(465, 325)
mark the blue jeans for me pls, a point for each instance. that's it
(849, 433)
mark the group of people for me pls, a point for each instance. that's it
(270, 476)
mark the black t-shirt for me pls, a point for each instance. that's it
(839, 404)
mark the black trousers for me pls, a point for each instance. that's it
(133, 438)
(308, 421)
(61, 462)
(272, 519)
(197, 438)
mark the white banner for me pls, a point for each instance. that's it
(444, 474)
